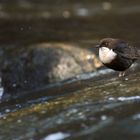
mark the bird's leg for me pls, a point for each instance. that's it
(122, 74)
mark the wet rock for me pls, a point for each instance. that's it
(104, 109)
(38, 65)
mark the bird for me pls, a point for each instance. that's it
(117, 54)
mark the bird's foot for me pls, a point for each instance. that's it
(121, 74)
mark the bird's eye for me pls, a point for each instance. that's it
(106, 43)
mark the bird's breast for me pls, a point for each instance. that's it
(106, 55)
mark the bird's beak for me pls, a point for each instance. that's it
(97, 46)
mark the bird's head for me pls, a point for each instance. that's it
(108, 43)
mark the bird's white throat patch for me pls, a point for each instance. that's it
(106, 55)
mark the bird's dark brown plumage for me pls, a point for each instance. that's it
(125, 53)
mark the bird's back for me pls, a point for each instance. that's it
(127, 51)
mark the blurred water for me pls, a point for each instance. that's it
(72, 21)
(90, 106)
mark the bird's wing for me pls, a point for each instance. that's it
(126, 51)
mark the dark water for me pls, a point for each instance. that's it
(86, 107)
(27, 22)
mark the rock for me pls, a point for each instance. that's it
(108, 109)
(38, 65)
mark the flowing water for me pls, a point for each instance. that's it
(89, 106)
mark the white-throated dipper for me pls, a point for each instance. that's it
(117, 54)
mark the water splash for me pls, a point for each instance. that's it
(56, 136)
